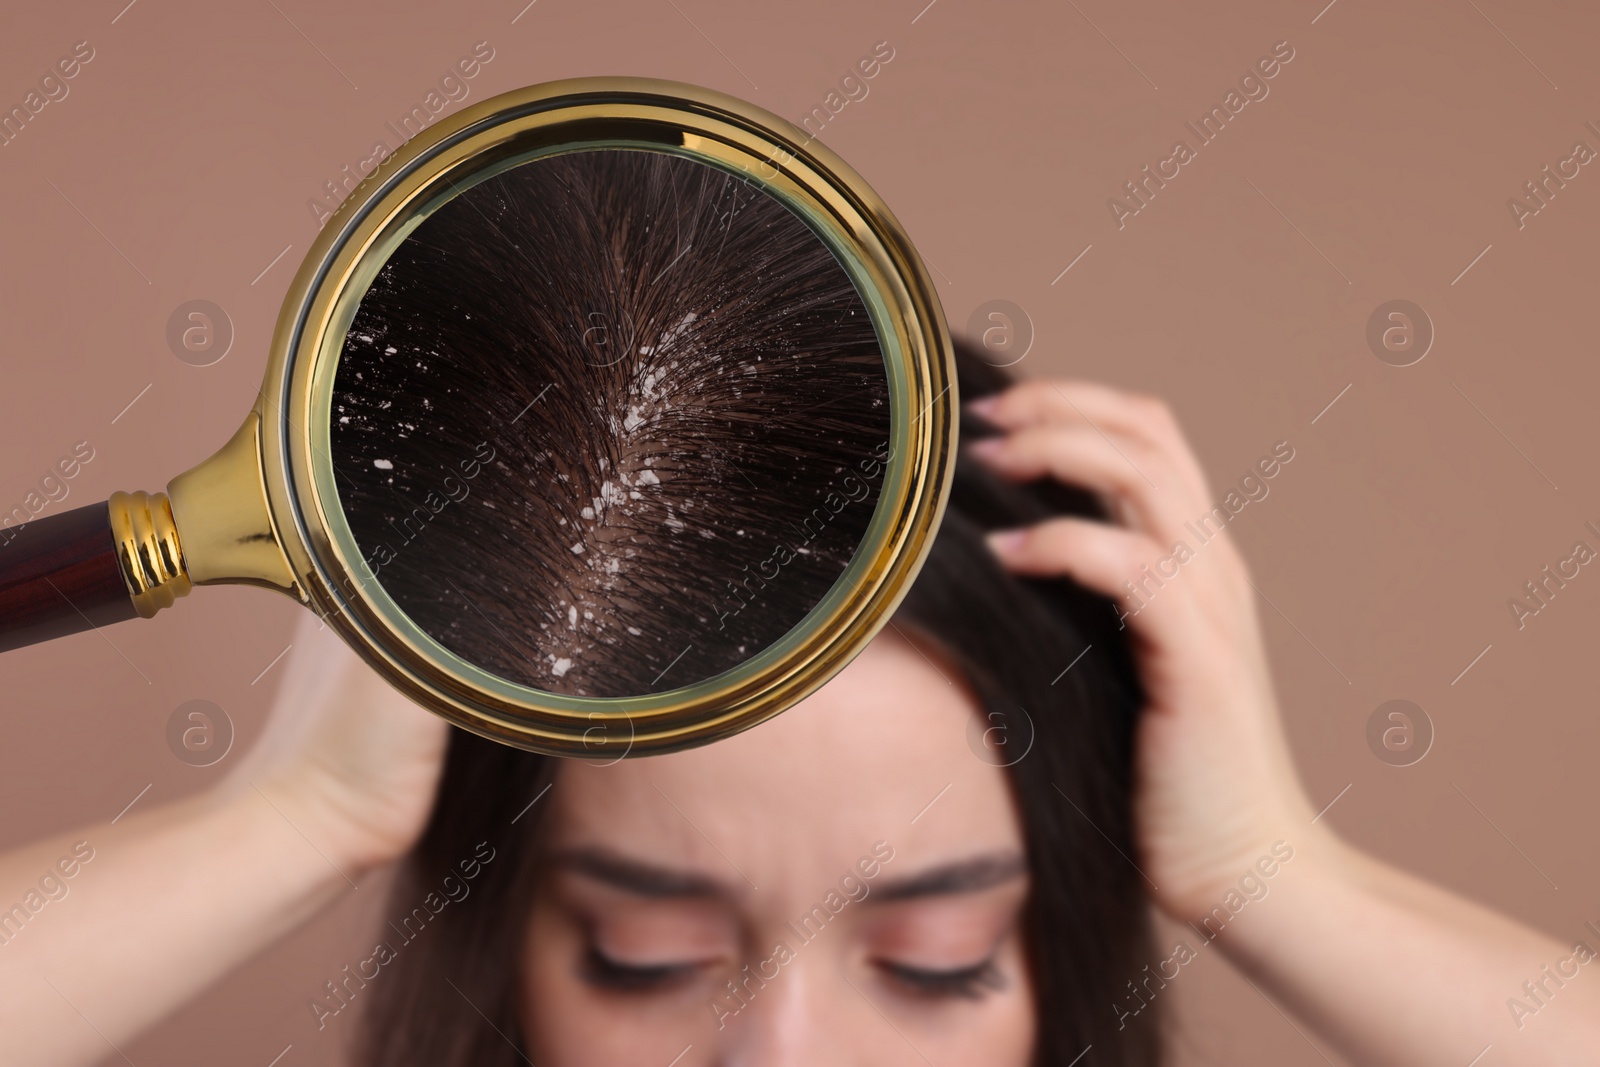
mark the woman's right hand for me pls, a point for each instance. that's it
(349, 761)
(342, 780)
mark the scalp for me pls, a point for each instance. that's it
(642, 377)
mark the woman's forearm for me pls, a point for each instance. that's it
(1394, 971)
(107, 929)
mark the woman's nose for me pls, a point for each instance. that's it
(791, 1019)
(809, 1012)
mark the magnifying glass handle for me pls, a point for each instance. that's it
(87, 568)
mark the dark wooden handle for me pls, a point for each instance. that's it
(60, 575)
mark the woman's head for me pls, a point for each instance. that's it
(926, 860)
(764, 899)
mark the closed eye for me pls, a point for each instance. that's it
(603, 971)
(967, 982)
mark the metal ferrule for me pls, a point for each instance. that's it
(148, 550)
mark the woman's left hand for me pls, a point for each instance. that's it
(1215, 785)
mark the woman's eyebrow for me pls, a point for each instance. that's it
(963, 876)
(637, 876)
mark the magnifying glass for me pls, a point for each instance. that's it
(610, 416)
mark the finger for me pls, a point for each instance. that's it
(1125, 565)
(1110, 410)
(1158, 500)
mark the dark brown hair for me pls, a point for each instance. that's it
(589, 413)
(1087, 918)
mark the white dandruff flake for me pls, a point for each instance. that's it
(383, 464)
(577, 549)
(561, 666)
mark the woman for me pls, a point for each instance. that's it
(940, 857)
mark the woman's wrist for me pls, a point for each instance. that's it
(1297, 869)
(1240, 861)
(327, 815)
(268, 823)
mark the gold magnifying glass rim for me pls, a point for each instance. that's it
(293, 413)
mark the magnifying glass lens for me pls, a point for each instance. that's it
(610, 422)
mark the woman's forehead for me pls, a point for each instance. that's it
(881, 753)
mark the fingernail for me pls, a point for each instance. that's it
(1005, 542)
(983, 406)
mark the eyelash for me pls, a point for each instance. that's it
(970, 983)
(605, 972)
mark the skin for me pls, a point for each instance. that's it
(1384, 967)
(756, 831)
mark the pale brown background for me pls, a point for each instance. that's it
(1381, 165)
